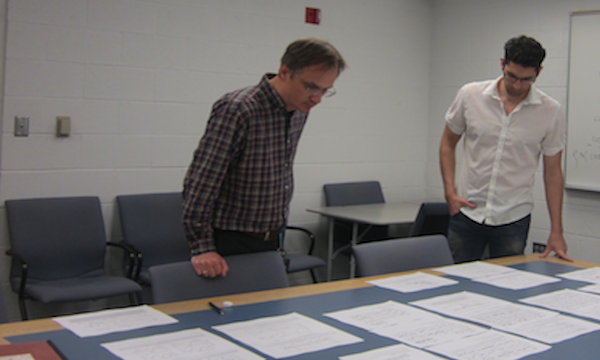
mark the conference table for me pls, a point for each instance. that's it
(369, 214)
(313, 301)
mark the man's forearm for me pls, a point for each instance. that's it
(554, 187)
(448, 161)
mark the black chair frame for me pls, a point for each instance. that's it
(24, 272)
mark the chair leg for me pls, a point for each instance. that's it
(23, 308)
(312, 274)
(134, 298)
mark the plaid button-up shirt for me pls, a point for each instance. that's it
(241, 176)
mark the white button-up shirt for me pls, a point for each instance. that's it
(502, 152)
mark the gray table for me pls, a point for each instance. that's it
(371, 214)
(313, 301)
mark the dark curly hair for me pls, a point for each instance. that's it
(525, 51)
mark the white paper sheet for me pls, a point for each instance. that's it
(569, 301)
(591, 288)
(196, 344)
(393, 352)
(413, 282)
(484, 309)
(492, 345)
(430, 333)
(389, 313)
(554, 330)
(591, 275)
(287, 335)
(475, 269)
(517, 280)
(114, 320)
(17, 357)
(406, 324)
(458, 304)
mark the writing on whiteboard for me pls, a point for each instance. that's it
(585, 155)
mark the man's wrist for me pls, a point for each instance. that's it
(200, 250)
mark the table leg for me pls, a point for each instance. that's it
(331, 228)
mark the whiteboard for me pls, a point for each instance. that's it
(582, 154)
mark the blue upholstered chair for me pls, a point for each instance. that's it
(303, 261)
(404, 254)
(152, 226)
(432, 219)
(247, 272)
(58, 248)
(355, 193)
(3, 309)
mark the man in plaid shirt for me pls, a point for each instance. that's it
(239, 185)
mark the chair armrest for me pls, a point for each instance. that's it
(308, 233)
(135, 259)
(24, 271)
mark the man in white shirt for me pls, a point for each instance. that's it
(507, 124)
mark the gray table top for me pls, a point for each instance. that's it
(373, 214)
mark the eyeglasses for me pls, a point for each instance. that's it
(314, 90)
(511, 78)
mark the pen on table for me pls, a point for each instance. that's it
(216, 308)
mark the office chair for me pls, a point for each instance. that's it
(58, 248)
(355, 193)
(3, 309)
(152, 227)
(403, 254)
(247, 272)
(432, 219)
(299, 261)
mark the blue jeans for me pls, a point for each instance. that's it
(468, 239)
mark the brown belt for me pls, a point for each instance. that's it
(266, 236)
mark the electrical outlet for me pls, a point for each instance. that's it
(539, 248)
(21, 126)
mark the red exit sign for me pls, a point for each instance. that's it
(313, 16)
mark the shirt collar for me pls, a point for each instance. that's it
(532, 98)
(272, 94)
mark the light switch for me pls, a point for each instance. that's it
(21, 126)
(63, 126)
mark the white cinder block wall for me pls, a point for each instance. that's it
(467, 43)
(138, 78)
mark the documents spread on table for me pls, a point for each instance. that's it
(590, 275)
(459, 325)
(114, 320)
(591, 288)
(406, 324)
(475, 269)
(432, 332)
(490, 345)
(401, 352)
(195, 344)
(569, 301)
(414, 282)
(287, 335)
(529, 321)
(496, 275)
